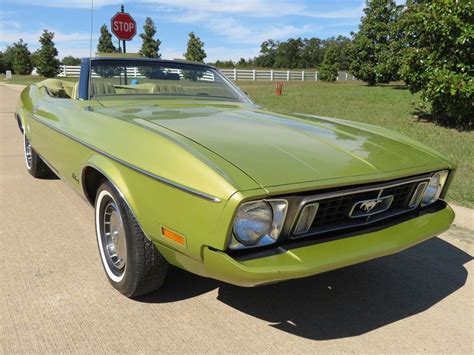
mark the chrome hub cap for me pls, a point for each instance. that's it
(28, 153)
(113, 238)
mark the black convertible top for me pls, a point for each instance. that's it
(124, 57)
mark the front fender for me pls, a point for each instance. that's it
(156, 205)
(112, 173)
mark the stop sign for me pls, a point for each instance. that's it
(124, 26)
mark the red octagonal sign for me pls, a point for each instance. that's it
(124, 26)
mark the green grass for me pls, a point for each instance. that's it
(389, 106)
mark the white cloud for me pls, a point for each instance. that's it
(236, 31)
(255, 8)
(258, 8)
(171, 53)
(6, 22)
(354, 13)
(74, 43)
(84, 4)
(10, 31)
(33, 37)
(236, 20)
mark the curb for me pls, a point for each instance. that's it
(464, 217)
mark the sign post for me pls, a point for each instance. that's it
(123, 27)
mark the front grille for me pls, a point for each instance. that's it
(334, 209)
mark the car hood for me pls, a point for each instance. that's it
(275, 149)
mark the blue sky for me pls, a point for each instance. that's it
(230, 29)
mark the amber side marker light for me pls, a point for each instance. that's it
(173, 236)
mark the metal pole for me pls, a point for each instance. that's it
(124, 47)
(124, 51)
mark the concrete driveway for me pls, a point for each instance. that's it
(54, 296)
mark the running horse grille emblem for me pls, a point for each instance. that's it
(369, 207)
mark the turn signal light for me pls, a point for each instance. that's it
(173, 236)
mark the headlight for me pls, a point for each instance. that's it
(258, 223)
(434, 188)
(253, 221)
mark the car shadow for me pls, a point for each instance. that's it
(341, 303)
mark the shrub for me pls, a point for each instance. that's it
(329, 69)
(437, 60)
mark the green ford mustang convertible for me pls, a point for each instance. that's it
(184, 169)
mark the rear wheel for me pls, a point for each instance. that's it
(34, 164)
(131, 261)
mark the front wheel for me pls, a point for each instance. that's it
(131, 261)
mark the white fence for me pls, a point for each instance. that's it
(72, 71)
(237, 74)
(278, 75)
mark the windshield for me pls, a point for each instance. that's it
(160, 79)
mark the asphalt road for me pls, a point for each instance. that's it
(54, 296)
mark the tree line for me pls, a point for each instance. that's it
(20, 60)
(294, 53)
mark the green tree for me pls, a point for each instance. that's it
(7, 59)
(288, 54)
(266, 59)
(150, 46)
(312, 53)
(3, 66)
(301, 53)
(195, 51)
(35, 58)
(437, 58)
(245, 63)
(105, 44)
(340, 45)
(70, 60)
(372, 54)
(329, 68)
(242, 63)
(223, 64)
(48, 64)
(21, 60)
